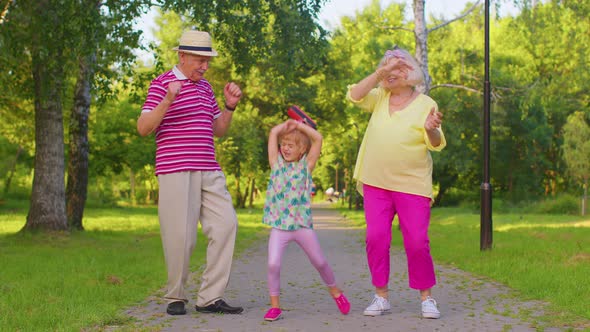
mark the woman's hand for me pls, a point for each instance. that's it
(394, 67)
(432, 123)
(433, 120)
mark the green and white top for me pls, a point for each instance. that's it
(288, 196)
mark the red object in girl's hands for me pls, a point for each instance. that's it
(296, 113)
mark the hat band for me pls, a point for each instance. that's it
(195, 48)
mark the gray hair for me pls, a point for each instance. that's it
(416, 75)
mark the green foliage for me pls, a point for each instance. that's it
(563, 204)
(576, 146)
(539, 78)
(114, 142)
(242, 154)
(277, 32)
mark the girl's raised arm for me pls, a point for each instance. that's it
(316, 144)
(273, 144)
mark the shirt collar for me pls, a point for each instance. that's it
(179, 75)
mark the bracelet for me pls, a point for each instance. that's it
(229, 108)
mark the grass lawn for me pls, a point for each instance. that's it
(543, 257)
(60, 282)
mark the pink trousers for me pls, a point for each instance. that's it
(413, 212)
(307, 239)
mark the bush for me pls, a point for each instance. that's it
(458, 197)
(562, 204)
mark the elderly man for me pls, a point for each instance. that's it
(182, 111)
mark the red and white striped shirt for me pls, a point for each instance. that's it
(184, 138)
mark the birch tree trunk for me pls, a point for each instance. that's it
(77, 180)
(421, 37)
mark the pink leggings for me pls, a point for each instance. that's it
(413, 211)
(307, 239)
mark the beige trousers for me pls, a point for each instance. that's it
(186, 198)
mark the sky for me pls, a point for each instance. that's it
(333, 10)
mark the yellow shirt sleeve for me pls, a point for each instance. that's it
(369, 101)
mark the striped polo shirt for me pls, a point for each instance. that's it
(184, 138)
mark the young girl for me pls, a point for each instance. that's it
(293, 150)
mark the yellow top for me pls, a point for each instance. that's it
(395, 152)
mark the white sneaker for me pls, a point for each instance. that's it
(378, 306)
(429, 309)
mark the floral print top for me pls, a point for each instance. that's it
(288, 196)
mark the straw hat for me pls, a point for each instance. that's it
(196, 42)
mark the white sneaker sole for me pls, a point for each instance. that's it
(431, 315)
(376, 312)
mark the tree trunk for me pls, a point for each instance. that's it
(441, 193)
(132, 187)
(421, 36)
(585, 198)
(12, 170)
(238, 192)
(77, 180)
(252, 190)
(244, 197)
(48, 209)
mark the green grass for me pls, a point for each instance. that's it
(57, 282)
(542, 257)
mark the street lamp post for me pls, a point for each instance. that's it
(486, 187)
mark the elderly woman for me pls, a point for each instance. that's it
(394, 173)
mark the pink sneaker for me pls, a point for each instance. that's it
(343, 304)
(272, 314)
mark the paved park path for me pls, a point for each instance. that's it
(467, 303)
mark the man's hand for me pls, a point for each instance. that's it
(233, 94)
(173, 90)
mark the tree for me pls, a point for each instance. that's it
(16, 104)
(57, 34)
(77, 178)
(284, 31)
(46, 24)
(576, 151)
(541, 78)
(242, 154)
(114, 147)
(109, 33)
(421, 32)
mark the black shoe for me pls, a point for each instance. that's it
(176, 308)
(219, 307)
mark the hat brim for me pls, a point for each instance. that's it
(203, 53)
